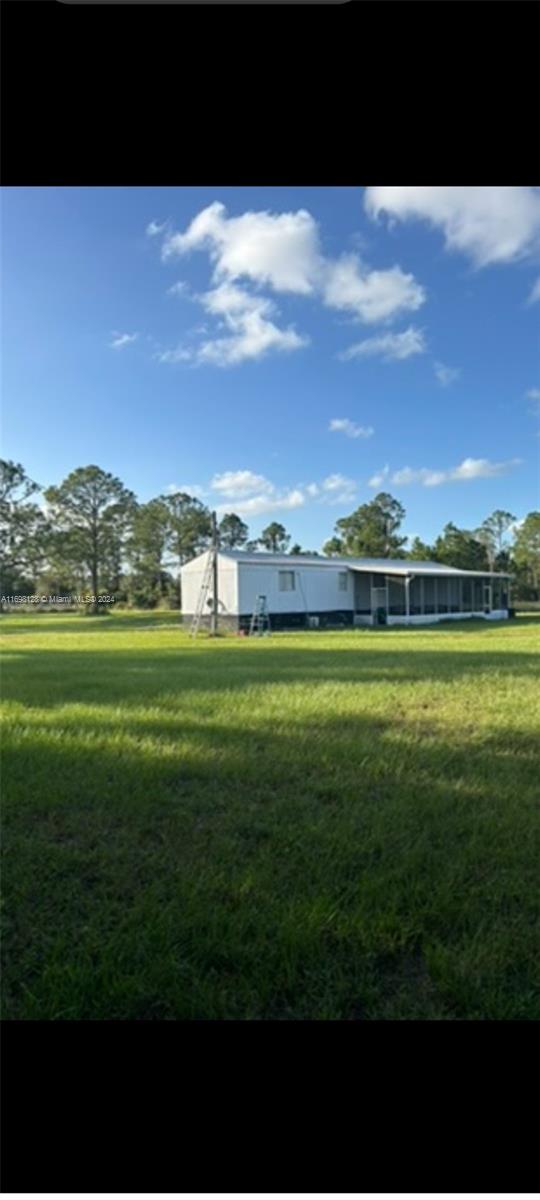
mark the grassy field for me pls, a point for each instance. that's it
(316, 825)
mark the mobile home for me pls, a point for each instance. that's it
(302, 591)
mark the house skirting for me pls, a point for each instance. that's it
(337, 619)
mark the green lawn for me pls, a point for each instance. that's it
(315, 825)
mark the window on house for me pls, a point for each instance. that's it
(342, 580)
(286, 581)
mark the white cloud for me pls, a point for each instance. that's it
(240, 483)
(122, 339)
(190, 489)
(349, 428)
(281, 249)
(178, 289)
(372, 295)
(534, 294)
(488, 224)
(389, 345)
(312, 489)
(446, 375)
(154, 228)
(251, 333)
(338, 488)
(533, 394)
(470, 468)
(256, 505)
(379, 478)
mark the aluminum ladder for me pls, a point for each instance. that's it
(260, 619)
(203, 595)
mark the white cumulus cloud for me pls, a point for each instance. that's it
(488, 224)
(389, 345)
(349, 428)
(254, 506)
(371, 295)
(154, 228)
(470, 468)
(240, 483)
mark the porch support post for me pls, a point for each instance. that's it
(407, 604)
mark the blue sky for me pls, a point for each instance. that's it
(322, 344)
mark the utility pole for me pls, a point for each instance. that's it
(214, 624)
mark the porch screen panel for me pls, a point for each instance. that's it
(442, 594)
(362, 592)
(396, 597)
(429, 594)
(415, 597)
(453, 595)
(467, 595)
(478, 590)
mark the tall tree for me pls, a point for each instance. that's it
(23, 528)
(460, 548)
(492, 534)
(145, 551)
(333, 548)
(232, 531)
(371, 531)
(189, 530)
(526, 552)
(419, 551)
(94, 510)
(275, 538)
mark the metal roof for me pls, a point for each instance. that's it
(382, 566)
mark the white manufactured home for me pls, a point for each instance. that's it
(312, 591)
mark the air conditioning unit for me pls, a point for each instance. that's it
(313, 622)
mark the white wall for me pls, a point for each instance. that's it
(433, 618)
(316, 589)
(192, 577)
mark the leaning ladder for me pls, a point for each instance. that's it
(260, 619)
(203, 595)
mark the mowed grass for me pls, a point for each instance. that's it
(316, 825)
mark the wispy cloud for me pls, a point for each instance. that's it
(122, 339)
(534, 293)
(488, 224)
(154, 228)
(349, 428)
(446, 375)
(470, 468)
(189, 489)
(178, 289)
(338, 489)
(389, 346)
(379, 478)
(533, 394)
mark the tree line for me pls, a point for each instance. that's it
(91, 535)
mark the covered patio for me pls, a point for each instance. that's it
(415, 593)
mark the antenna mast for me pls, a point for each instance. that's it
(214, 623)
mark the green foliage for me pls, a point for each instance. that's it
(233, 532)
(307, 826)
(333, 548)
(491, 535)
(419, 551)
(275, 538)
(92, 511)
(145, 551)
(527, 553)
(371, 531)
(23, 530)
(460, 548)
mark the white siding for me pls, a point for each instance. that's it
(192, 577)
(316, 589)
